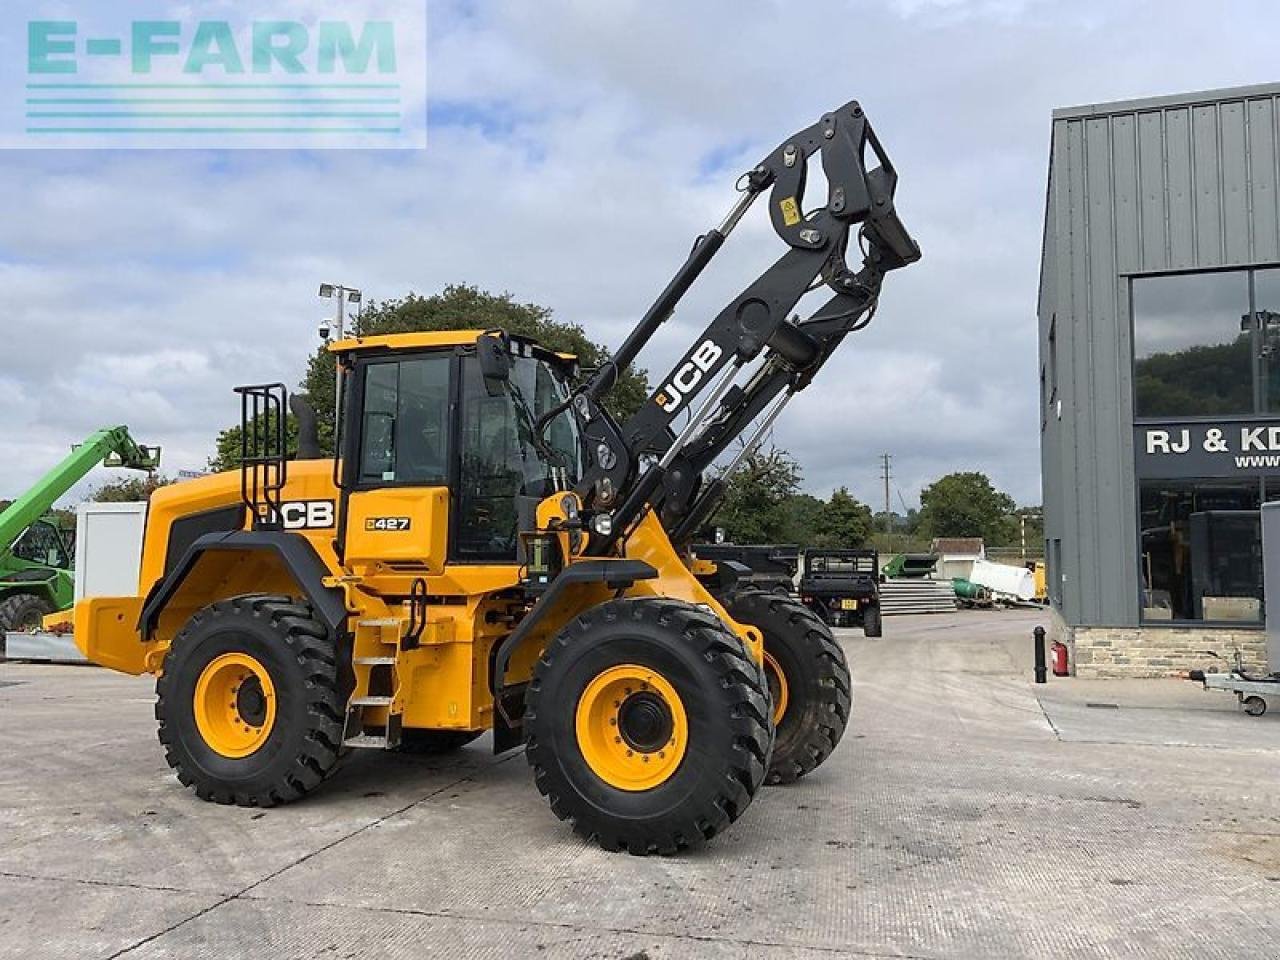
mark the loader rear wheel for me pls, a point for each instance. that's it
(647, 725)
(250, 702)
(812, 692)
(433, 742)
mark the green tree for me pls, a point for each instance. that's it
(226, 453)
(802, 517)
(1199, 380)
(457, 307)
(844, 521)
(130, 489)
(754, 509)
(965, 505)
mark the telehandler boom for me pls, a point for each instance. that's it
(490, 550)
(35, 557)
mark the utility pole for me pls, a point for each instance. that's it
(886, 475)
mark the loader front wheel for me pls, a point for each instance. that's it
(647, 725)
(250, 702)
(811, 693)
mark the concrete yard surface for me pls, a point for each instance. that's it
(968, 813)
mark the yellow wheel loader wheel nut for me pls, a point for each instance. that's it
(631, 727)
(777, 687)
(235, 705)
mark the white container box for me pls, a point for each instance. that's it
(109, 549)
(1004, 578)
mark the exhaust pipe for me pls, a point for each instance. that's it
(308, 432)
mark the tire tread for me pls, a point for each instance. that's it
(316, 654)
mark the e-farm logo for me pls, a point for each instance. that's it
(250, 80)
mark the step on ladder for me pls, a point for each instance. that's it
(375, 711)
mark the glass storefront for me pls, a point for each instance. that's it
(1206, 346)
(1201, 550)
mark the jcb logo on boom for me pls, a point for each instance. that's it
(687, 378)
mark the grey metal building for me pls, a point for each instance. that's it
(1159, 327)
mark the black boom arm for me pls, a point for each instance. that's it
(645, 462)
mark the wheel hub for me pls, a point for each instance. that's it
(645, 721)
(631, 727)
(234, 705)
(251, 703)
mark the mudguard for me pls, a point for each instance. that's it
(294, 551)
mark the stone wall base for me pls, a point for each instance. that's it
(1150, 651)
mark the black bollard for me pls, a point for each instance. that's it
(1041, 670)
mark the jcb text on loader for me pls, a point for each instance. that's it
(491, 550)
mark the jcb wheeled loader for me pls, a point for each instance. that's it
(491, 550)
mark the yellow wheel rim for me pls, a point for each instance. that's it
(631, 727)
(777, 687)
(235, 705)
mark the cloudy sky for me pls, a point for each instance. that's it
(575, 149)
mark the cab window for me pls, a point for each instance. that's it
(503, 457)
(41, 544)
(404, 430)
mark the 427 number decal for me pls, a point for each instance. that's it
(394, 524)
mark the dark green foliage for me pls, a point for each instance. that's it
(130, 489)
(965, 505)
(844, 522)
(227, 447)
(764, 504)
(1197, 381)
(802, 518)
(754, 506)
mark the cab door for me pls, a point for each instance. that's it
(396, 460)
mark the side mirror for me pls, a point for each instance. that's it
(495, 362)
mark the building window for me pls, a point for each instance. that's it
(1193, 350)
(1053, 360)
(1201, 550)
(1266, 323)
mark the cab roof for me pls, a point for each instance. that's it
(425, 340)
(409, 341)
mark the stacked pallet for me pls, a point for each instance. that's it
(916, 595)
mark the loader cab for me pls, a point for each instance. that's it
(43, 544)
(441, 447)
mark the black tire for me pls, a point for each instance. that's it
(23, 612)
(305, 740)
(1255, 706)
(819, 689)
(871, 625)
(724, 699)
(434, 742)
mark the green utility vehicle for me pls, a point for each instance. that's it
(36, 555)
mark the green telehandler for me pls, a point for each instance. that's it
(36, 554)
